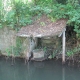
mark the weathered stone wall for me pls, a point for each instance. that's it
(51, 42)
(7, 39)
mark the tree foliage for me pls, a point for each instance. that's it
(18, 13)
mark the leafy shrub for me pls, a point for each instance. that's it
(76, 50)
(18, 16)
(21, 13)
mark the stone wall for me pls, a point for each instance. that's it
(7, 39)
(51, 42)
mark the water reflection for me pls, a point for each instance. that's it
(63, 73)
(47, 70)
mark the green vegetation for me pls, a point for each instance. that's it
(17, 13)
(76, 50)
(15, 50)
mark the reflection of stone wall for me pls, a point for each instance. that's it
(7, 39)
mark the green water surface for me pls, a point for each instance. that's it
(47, 70)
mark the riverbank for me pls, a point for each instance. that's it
(10, 60)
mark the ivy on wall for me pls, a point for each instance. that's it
(16, 50)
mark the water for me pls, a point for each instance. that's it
(47, 70)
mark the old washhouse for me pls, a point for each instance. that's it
(44, 27)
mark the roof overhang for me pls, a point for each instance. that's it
(43, 27)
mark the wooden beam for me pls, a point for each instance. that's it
(61, 32)
(63, 48)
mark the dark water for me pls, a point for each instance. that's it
(47, 70)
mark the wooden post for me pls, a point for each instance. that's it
(63, 48)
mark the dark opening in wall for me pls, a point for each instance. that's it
(70, 36)
(39, 42)
(70, 32)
